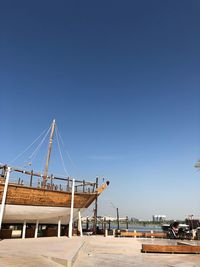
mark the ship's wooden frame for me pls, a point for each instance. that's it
(28, 198)
(19, 194)
(46, 199)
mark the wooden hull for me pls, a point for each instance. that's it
(24, 203)
(29, 196)
(30, 204)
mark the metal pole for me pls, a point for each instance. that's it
(109, 225)
(59, 227)
(36, 229)
(24, 230)
(87, 223)
(104, 224)
(95, 210)
(80, 224)
(117, 219)
(71, 212)
(4, 195)
(31, 179)
(127, 222)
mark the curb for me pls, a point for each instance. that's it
(69, 262)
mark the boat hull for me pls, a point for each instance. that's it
(30, 214)
(24, 195)
(25, 203)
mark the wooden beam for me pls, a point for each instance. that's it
(181, 249)
(38, 174)
(100, 189)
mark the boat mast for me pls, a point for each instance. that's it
(53, 125)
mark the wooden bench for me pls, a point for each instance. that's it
(181, 249)
(131, 234)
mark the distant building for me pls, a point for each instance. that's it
(159, 218)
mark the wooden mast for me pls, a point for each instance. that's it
(49, 152)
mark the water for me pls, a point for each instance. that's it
(131, 227)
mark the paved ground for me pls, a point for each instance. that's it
(92, 251)
(113, 252)
(41, 252)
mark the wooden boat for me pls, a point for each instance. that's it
(43, 197)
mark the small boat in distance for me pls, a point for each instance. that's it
(43, 197)
(166, 226)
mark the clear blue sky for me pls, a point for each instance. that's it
(122, 79)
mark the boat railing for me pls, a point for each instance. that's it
(33, 179)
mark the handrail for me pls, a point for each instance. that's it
(38, 174)
(86, 186)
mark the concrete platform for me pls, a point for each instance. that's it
(89, 251)
(112, 252)
(47, 251)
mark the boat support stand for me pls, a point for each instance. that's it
(3, 202)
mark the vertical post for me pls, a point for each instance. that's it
(117, 219)
(71, 212)
(49, 153)
(68, 184)
(104, 227)
(59, 227)
(36, 229)
(151, 233)
(87, 223)
(109, 225)
(95, 210)
(135, 233)
(104, 223)
(3, 202)
(51, 181)
(106, 232)
(3, 171)
(113, 232)
(127, 223)
(24, 230)
(80, 224)
(31, 179)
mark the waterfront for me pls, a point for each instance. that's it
(123, 226)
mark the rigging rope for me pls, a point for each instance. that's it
(61, 156)
(27, 148)
(35, 152)
(67, 153)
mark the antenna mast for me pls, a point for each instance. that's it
(49, 152)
